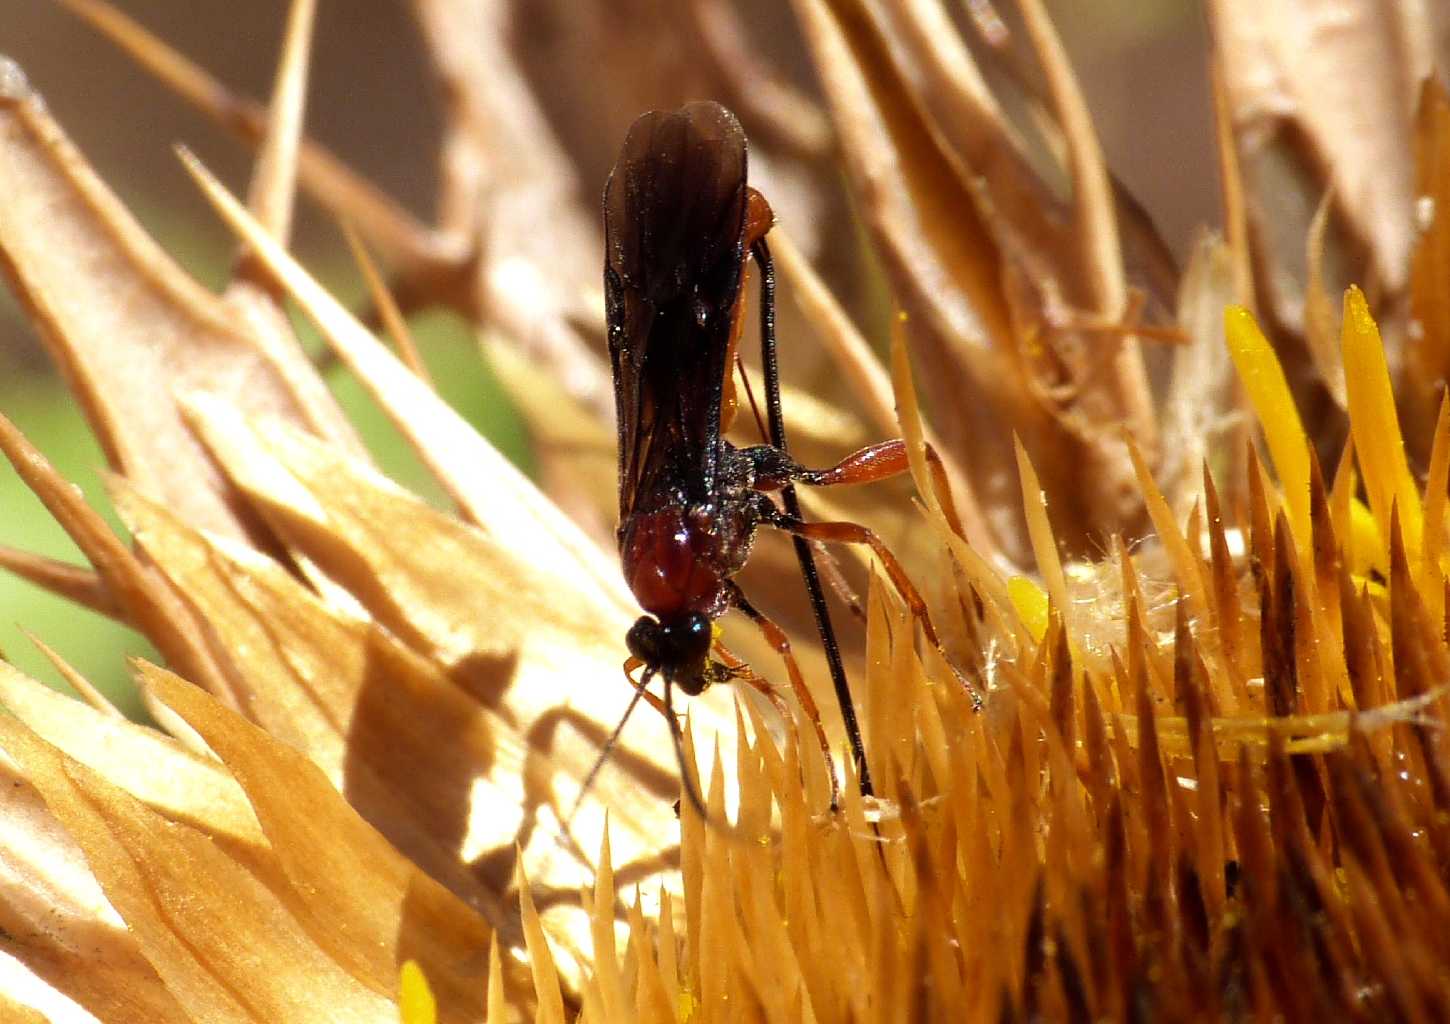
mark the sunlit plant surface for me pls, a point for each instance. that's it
(1190, 546)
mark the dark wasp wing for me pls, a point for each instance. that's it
(674, 219)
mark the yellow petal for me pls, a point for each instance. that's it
(416, 1004)
(1031, 603)
(1268, 391)
(1375, 422)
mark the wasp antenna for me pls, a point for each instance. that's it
(605, 751)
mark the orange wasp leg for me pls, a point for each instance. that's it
(855, 533)
(882, 461)
(631, 665)
(775, 636)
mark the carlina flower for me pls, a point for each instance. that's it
(1210, 778)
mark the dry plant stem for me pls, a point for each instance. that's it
(387, 307)
(432, 267)
(146, 601)
(1099, 256)
(92, 696)
(762, 96)
(273, 190)
(417, 253)
(1231, 185)
(72, 582)
(533, 285)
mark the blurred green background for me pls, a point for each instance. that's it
(370, 102)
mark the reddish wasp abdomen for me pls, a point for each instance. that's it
(671, 564)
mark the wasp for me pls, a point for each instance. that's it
(680, 224)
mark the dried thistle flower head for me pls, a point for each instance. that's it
(1209, 779)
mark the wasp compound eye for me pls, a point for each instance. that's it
(644, 640)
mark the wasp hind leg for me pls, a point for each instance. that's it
(855, 533)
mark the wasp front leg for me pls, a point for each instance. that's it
(777, 638)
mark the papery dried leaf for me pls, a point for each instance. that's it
(1233, 190)
(1427, 350)
(1329, 84)
(316, 679)
(482, 608)
(1199, 403)
(127, 325)
(205, 950)
(358, 898)
(993, 312)
(469, 467)
(1320, 336)
(480, 611)
(1099, 259)
(532, 283)
(150, 766)
(55, 920)
(929, 233)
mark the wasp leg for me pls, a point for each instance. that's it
(630, 666)
(775, 636)
(855, 533)
(875, 462)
